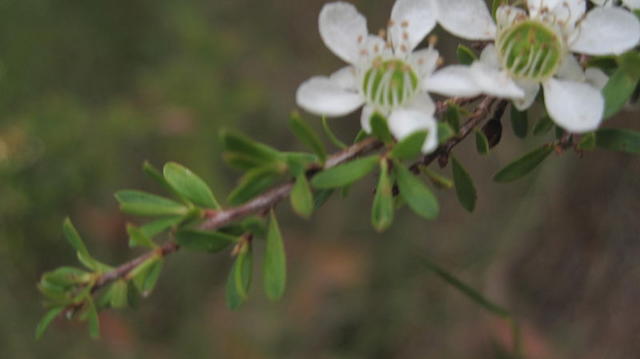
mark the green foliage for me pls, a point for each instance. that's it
(145, 204)
(331, 136)
(189, 185)
(522, 166)
(307, 135)
(382, 210)
(543, 126)
(587, 142)
(617, 91)
(519, 122)
(239, 279)
(482, 143)
(137, 238)
(153, 228)
(145, 276)
(618, 140)
(445, 132)
(380, 128)
(466, 56)
(117, 293)
(437, 179)
(415, 193)
(92, 317)
(275, 262)
(452, 116)
(205, 241)
(254, 182)
(244, 153)
(302, 197)
(409, 147)
(345, 174)
(465, 189)
(43, 324)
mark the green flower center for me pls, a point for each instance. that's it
(390, 83)
(530, 50)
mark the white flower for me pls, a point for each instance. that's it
(385, 76)
(631, 4)
(535, 48)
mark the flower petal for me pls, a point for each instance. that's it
(454, 80)
(468, 19)
(537, 6)
(365, 118)
(569, 11)
(424, 61)
(489, 57)
(606, 31)
(575, 106)
(632, 4)
(506, 15)
(596, 77)
(343, 29)
(411, 21)
(495, 82)
(345, 78)
(570, 69)
(321, 96)
(405, 121)
(531, 90)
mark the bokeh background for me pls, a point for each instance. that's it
(91, 89)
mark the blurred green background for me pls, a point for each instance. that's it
(91, 89)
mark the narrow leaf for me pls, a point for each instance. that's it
(519, 122)
(452, 117)
(137, 238)
(189, 185)
(618, 140)
(237, 143)
(92, 318)
(417, 195)
(345, 174)
(482, 143)
(321, 197)
(522, 166)
(466, 56)
(145, 204)
(380, 128)
(146, 275)
(409, 147)
(72, 236)
(205, 241)
(306, 135)
(239, 279)
(617, 92)
(253, 183)
(383, 208)
(158, 226)
(445, 132)
(331, 136)
(302, 197)
(543, 125)
(587, 142)
(46, 320)
(471, 293)
(118, 295)
(437, 179)
(156, 175)
(275, 262)
(465, 189)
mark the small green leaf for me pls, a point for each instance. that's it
(605, 63)
(302, 197)
(417, 195)
(519, 122)
(452, 117)
(482, 143)
(617, 92)
(65, 277)
(345, 174)
(189, 185)
(206, 241)
(298, 163)
(465, 189)
(306, 135)
(587, 142)
(618, 140)
(275, 262)
(331, 136)
(466, 56)
(158, 226)
(72, 236)
(156, 175)
(321, 197)
(118, 295)
(380, 128)
(146, 278)
(137, 238)
(544, 124)
(239, 279)
(361, 135)
(437, 179)
(445, 132)
(409, 147)
(383, 209)
(253, 183)
(522, 166)
(630, 63)
(46, 320)
(92, 318)
(240, 144)
(465, 289)
(145, 204)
